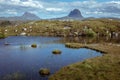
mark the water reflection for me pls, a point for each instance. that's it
(14, 76)
(20, 57)
(91, 39)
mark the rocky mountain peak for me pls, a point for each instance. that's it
(30, 16)
(75, 13)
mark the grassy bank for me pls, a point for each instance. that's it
(2, 36)
(91, 28)
(106, 67)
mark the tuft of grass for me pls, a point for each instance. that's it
(44, 71)
(56, 51)
(34, 45)
(2, 36)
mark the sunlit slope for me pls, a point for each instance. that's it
(93, 27)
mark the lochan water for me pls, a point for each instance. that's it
(21, 60)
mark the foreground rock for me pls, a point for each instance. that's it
(44, 71)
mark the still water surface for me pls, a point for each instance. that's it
(19, 59)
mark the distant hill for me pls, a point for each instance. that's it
(73, 15)
(102, 18)
(24, 17)
(30, 16)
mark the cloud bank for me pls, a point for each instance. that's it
(55, 8)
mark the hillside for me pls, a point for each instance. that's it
(94, 27)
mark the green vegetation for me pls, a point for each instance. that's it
(95, 27)
(106, 67)
(34, 45)
(74, 45)
(90, 33)
(2, 36)
(44, 71)
(78, 45)
(56, 51)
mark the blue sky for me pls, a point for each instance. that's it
(59, 8)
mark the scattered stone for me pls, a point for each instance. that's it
(23, 34)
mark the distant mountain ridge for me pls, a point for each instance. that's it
(24, 17)
(30, 16)
(73, 15)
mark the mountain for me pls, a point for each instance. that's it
(30, 16)
(73, 15)
(24, 17)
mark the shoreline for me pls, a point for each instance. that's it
(98, 68)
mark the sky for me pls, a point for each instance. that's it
(46, 9)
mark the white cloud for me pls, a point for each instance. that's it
(95, 12)
(15, 0)
(32, 4)
(11, 12)
(28, 3)
(114, 2)
(88, 7)
(53, 9)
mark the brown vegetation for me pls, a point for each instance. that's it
(34, 45)
(56, 51)
(106, 67)
(91, 28)
(44, 71)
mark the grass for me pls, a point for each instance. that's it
(74, 45)
(57, 28)
(44, 71)
(2, 36)
(56, 51)
(90, 33)
(106, 67)
(34, 45)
